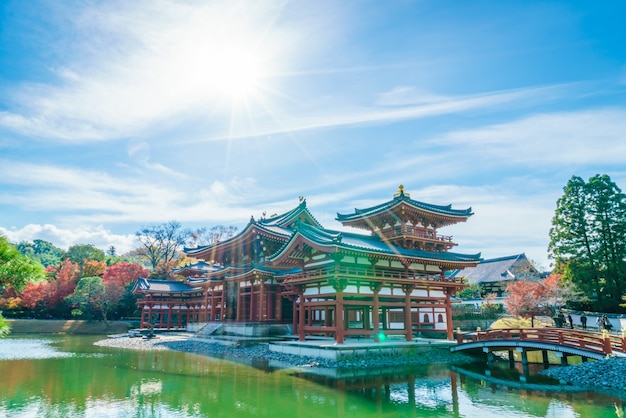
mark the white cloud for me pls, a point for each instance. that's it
(596, 136)
(98, 236)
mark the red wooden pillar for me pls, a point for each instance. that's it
(150, 307)
(170, 308)
(278, 310)
(262, 302)
(339, 318)
(213, 309)
(223, 301)
(375, 308)
(294, 320)
(253, 304)
(449, 315)
(408, 321)
(240, 300)
(301, 315)
(204, 317)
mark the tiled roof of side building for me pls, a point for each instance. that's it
(370, 243)
(398, 199)
(500, 269)
(168, 286)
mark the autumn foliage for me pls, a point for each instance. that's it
(528, 299)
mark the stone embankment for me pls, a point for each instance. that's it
(261, 351)
(609, 373)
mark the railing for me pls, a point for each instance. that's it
(367, 273)
(593, 341)
(395, 232)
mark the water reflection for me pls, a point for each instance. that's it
(107, 382)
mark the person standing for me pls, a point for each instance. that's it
(583, 321)
(571, 321)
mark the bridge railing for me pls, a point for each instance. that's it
(593, 341)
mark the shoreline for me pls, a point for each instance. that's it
(261, 351)
(603, 374)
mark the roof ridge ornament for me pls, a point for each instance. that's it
(401, 192)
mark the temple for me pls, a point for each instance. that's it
(389, 281)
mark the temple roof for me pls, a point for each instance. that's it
(403, 198)
(199, 266)
(335, 241)
(168, 286)
(514, 267)
(278, 226)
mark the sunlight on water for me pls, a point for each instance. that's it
(17, 349)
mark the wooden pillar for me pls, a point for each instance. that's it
(240, 300)
(511, 359)
(223, 301)
(253, 303)
(213, 307)
(150, 308)
(449, 315)
(301, 316)
(262, 302)
(544, 358)
(169, 315)
(339, 317)
(205, 311)
(278, 310)
(375, 308)
(294, 320)
(408, 321)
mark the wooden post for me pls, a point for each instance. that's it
(606, 342)
(339, 313)
(375, 315)
(301, 315)
(408, 321)
(449, 314)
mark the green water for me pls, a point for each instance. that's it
(70, 377)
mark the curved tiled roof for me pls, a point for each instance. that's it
(275, 225)
(347, 241)
(403, 198)
(169, 286)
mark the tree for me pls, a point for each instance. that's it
(89, 296)
(160, 243)
(81, 253)
(16, 270)
(528, 299)
(118, 281)
(588, 239)
(47, 253)
(205, 236)
(5, 328)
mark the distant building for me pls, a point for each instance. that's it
(288, 269)
(495, 274)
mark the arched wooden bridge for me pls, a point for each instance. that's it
(586, 344)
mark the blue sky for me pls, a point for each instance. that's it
(116, 115)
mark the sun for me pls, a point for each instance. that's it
(236, 74)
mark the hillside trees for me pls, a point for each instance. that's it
(588, 239)
(160, 245)
(118, 281)
(88, 298)
(81, 253)
(16, 269)
(47, 253)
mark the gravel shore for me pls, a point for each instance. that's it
(261, 351)
(609, 373)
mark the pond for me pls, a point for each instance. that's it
(70, 377)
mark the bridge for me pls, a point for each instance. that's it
(564, 342)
